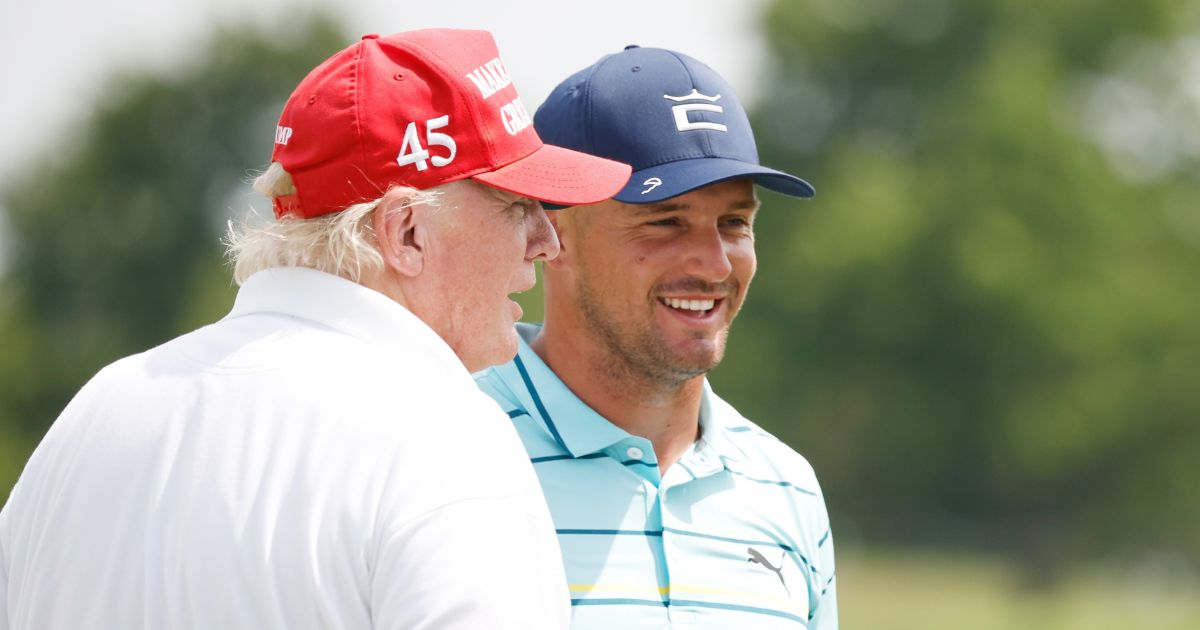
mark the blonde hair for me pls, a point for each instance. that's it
(340, 243)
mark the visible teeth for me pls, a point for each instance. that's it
(690, 305)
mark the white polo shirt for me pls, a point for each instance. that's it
(319, 458)
(734, 535)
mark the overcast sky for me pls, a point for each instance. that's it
(58, 54)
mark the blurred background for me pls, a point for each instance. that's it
(983, 331)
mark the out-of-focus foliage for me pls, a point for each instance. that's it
(932, 590)
(985, 329)
(115, 236)
(982, 331)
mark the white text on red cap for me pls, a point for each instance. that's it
(514, 117)
(490, 78)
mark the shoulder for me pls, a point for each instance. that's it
(303, 380)
(766, 456)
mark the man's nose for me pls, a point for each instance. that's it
(707, 255)
(543, 241)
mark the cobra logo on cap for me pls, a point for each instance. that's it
(683, 123)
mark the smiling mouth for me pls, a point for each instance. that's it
(699, 307)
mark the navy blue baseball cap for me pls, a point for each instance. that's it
(672, 118)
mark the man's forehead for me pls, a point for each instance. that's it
(491, 192)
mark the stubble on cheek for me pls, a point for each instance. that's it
(636, 349)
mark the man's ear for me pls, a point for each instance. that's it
(400, 233)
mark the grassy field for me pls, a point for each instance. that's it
(929, 591)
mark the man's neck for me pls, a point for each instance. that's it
(666, 414)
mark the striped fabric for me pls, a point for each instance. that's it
(734, 535)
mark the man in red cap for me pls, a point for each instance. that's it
(320, 457)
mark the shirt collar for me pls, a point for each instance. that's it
(342, 305)
(576, 426)
(716, 418)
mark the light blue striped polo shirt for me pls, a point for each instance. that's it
(734, 535)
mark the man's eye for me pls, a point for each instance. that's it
(664, 222)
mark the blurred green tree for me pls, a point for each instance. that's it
(115, 236)
(983, 330)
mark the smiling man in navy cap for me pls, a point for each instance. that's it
(670, 507)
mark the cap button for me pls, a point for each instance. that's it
(371, 36)
(632, 46)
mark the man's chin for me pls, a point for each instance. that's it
(701, 351)
(501, 350)
(693, 361)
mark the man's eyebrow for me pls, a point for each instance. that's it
(659, 208)
(750, 203)
(508, 198)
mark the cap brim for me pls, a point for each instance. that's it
(559, 176)
(654, 184)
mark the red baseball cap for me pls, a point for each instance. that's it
(420, 109)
